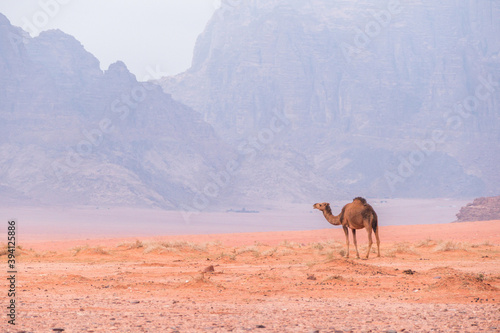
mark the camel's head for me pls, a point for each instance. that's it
(322, 206)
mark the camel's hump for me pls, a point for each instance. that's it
(363, 200)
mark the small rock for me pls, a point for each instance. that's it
(209, 269)
(58, 329)
(311, 277)
(135, 302)
(409, 272)
(261, 326)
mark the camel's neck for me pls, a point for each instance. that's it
(332, 219)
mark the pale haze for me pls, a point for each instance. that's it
(151, 37)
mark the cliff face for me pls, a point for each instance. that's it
(395, 98)
(481, 209)
(286, 100)
(73, 134)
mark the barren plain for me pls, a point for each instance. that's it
(429, 278)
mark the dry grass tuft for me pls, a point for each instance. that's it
(290, 245)
(270, 252)
(332, 254)
(134, 245)
(90, 250)
(98, 250)
(328, 245)
(317, 246)
(177, 246)
(401, 248)
(286, 252)
(44, 254)
(183, 245)
(451, 246)
(249, 249)
(227, 255)
(426, 243)
(4, 249)
(443, 246)
(78, 249)
(332, 278)
(171, 246)
(150, 247)
(483, 244)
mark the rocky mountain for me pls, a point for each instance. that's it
(481, 209)
(286, 101)
(73, 134)
(341, 98)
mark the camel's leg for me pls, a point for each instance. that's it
(355, 242)
(346, 232)
(370, 241)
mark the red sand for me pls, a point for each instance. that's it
(466, 231)
(443, 277)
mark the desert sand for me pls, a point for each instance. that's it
(439, 278)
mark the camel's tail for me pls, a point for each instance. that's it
(374, 222)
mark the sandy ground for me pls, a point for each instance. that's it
(430, 278)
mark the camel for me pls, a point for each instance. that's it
(355, 215)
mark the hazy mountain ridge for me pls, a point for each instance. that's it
(73, 134)
(304, 110)
(349, 91)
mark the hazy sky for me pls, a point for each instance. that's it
(147, 35)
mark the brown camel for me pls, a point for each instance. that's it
(355, 215)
